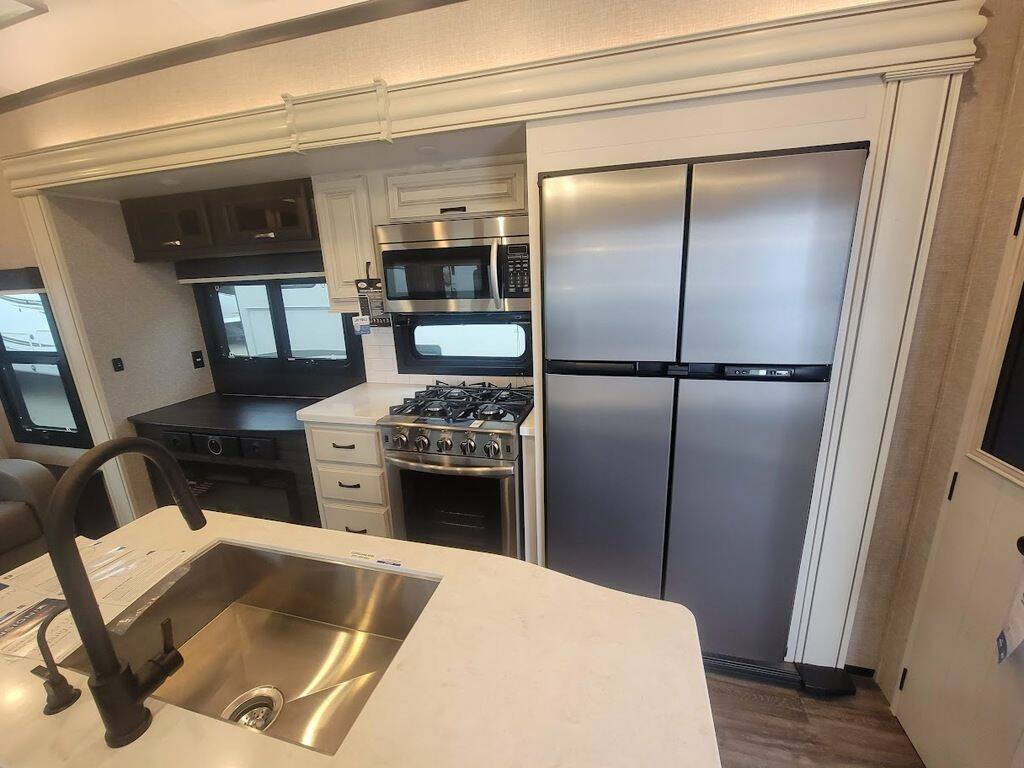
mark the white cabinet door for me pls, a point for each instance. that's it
(960, 707)
(459, 192)
(346, 234)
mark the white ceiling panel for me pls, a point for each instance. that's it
(77, 36)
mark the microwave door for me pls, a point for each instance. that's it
(442, 277)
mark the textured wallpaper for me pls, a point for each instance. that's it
(137, 312)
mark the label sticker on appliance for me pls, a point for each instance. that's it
(361, 325)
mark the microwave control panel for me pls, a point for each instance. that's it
(517, 271)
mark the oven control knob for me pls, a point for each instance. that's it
(468, 446)
(492, 449)
(444, 444)
(401, 440)
(422, 442)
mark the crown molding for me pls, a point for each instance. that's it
(894, 39)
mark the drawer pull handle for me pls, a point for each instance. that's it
(353, 530)
(354, 485)
(265, 235)
(344, 447)
(175, 243)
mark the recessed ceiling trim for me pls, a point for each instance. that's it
(28, 10)
(326, 21)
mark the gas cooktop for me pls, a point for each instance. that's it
(462, 403)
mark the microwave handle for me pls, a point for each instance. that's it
(495, 290)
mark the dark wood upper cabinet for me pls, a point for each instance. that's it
(276, 217)
(264, 214)
(168, 227)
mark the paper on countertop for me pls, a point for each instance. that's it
(1013, 628)
(118, 574)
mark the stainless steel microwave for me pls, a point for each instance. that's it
(456, 265)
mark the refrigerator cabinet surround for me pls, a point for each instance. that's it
(607, 447)
(745, 456)
(613, 245)
(769, 246)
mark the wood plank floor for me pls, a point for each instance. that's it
(764, 726)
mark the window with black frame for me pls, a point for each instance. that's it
(38, 393)
(278, 337)
(471, 343)
(1004, 434)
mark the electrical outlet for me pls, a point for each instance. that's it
(197, 359)
(118, 364)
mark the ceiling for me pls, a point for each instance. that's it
(42, 41)
(436, 149)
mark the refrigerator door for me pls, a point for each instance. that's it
(612, 263)
(766, 264)
(745, 457)
(607, 463)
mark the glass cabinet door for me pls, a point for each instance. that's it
(264, 214)
(166, 225)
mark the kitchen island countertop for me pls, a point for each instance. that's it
(510, 664)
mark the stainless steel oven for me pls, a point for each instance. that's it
(458, 265)
(468, 503)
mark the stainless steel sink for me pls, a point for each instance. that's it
(288, 646)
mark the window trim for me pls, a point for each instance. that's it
(23, 429)
(283, 375)
(411, 361)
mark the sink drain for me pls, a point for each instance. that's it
(256, 708)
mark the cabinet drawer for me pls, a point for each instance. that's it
(341, 518)
(351, 447)
(457, 193)
(351, 485)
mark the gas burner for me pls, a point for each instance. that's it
(435, 408)
(462, 402)
(491, 412)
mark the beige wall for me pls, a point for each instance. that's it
(498, 32)
(137, 312)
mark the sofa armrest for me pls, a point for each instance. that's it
(28, 482)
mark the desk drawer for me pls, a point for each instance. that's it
(351, 485)
(338, 517)
(350, 447)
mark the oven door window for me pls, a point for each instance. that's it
(462, 512)
(461, 272)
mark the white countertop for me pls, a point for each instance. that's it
(363, 404)
(527, 428)
(510, 664)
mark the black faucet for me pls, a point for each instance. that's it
(118, 691)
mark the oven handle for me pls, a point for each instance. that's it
(495, 291)
(442, 469)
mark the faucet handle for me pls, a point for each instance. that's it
(167, 631)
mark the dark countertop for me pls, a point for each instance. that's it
(229, 413)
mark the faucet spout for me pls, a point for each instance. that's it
(118, 691)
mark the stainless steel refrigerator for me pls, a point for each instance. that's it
(690, 321)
